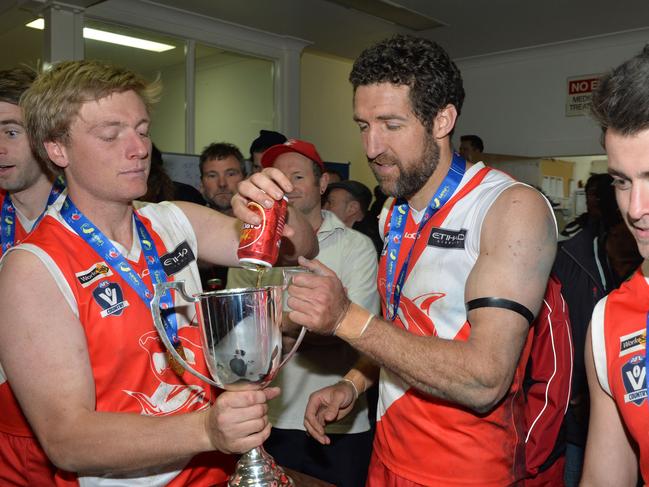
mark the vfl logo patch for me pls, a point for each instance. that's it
(633, 342)
(634, 379)
(93, 274)
(177, 259)
(110, 297)
(447, 239)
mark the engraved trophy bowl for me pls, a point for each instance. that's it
(241, 335)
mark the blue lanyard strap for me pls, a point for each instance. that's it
(8, 216)
(113, 257)
(397, 228)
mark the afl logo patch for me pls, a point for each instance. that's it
(634, 377)
(110, 297)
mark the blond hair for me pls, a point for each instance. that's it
(55, 97)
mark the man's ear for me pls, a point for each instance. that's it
(324, 182)
(57, 153)
(353, 206)
(444, 122)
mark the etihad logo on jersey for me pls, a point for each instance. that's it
(634, 377)
(178, 259)
(633, 342)
(447, 239)
(93, 274)
(110, 297)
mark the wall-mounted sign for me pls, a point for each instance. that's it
(580, 93)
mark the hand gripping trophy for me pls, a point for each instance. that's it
(242, 341)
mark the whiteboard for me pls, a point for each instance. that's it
(183, 168)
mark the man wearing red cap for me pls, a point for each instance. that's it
(320, 361)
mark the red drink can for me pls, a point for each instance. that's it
(259, 244)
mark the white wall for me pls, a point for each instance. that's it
(327, 114)
(516, 100)
(234, 100)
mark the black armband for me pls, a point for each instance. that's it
(501, 303)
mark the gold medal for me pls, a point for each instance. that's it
(173, 363)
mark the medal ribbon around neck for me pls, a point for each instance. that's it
(9, 216)
(113, 257)
(397, 228)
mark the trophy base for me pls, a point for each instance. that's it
(257, 468)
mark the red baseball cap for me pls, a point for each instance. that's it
(307, 149)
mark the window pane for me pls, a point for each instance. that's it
(168, 127)
(234, 97)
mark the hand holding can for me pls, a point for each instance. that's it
(259, 244)
(264, 188)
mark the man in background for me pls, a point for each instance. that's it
(471, 148)
(266, 139)
(319, 361)
(222, 168)
(350, 201)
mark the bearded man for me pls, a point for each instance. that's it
(467, 255)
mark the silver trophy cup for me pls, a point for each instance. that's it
(241, 334)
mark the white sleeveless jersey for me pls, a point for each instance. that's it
(413, 429)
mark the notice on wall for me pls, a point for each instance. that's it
(580, 93)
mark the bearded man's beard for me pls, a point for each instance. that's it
(412, 178)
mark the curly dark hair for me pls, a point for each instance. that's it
(621, 100)
(421, 64)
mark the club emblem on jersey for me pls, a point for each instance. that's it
(634, 377)
(110, 297)
(633, 342)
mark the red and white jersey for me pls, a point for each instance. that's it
(129, 363)
(618, 330)
(12, 420)
(420, 438)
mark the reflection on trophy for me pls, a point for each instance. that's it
(242, 342)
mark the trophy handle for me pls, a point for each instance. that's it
(161, 289)
(294, 349)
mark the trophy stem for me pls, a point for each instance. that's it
(257, 468)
